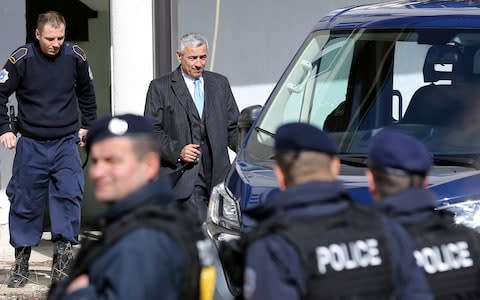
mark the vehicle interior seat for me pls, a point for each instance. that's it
(440, 104)
(471, 118)
(337, 120)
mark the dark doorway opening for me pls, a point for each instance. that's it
(75, 12)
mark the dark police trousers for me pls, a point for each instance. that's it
(45, 170)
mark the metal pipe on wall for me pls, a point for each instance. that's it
(162, 37)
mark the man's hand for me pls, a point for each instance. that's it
(82, 134)
(190, 153)
(78, 283)
(8, 140)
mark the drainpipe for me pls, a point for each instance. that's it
(162, 37)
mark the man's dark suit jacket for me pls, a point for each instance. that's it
(169, 102)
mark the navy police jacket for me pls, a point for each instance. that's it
(447, 252)
(49, 91)
(409, 206)
(145, 263)
(274, 269)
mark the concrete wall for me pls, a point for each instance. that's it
(256, 38)
(12, 24)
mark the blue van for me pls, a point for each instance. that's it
(413, 66)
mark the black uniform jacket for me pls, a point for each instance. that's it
(409, 206)
(143, 264)
(275, 268)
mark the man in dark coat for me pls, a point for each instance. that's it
(196, 120)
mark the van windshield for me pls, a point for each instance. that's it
(353, 84)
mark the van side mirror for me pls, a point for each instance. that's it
(247, 117)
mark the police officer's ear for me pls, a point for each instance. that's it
(425, 182)
(37, 34)
(281, 178)
(372, 187)
(335, 167)
(179, 56)
(151, 165)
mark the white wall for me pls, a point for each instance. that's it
(12, 22)
(132, 54)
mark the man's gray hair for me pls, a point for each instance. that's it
(194, 39)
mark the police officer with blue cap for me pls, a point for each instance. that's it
(448, 253)
(313, 242)
(148, 247)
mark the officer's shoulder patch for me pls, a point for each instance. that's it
(18, 54)
(79, 51)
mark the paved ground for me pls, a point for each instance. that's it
(40, 266)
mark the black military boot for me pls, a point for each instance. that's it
(62, 260)
(19, 275)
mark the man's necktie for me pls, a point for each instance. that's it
(198, 93)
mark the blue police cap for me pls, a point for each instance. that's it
(394, 150)
(295, 137)
(116, 126)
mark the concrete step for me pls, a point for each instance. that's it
(40, 270)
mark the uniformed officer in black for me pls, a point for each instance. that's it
(52, 82)
(449, 253)
(313, 242)
(148, 249)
